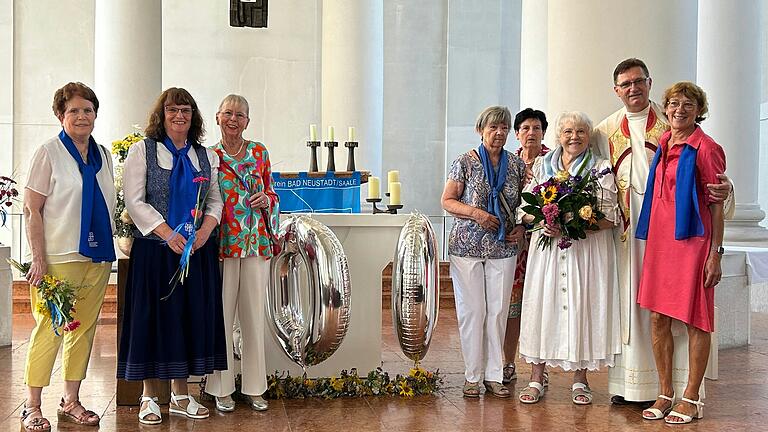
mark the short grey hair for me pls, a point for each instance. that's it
(235, 99)
(493, 115)
(577, 117)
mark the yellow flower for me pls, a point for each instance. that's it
(406, 390)
(586, 212)
(337, 383)
(42, 308)
(549, 194)
(561, 176)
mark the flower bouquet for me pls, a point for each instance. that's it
(57, 299)
(191, 229)
(568, 202)
(8, 193)
(123, 223)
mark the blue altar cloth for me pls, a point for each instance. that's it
(318, 194)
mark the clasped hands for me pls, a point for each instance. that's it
(491, 223)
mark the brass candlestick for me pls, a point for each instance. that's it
(313, 145)
(331, 145)
(351, 145)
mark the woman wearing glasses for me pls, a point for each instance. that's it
(248, 223)
(172, 334)
(683, 226)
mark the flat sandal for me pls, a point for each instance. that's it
(37, 424)
(85, 418)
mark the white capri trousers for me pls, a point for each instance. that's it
(244, 289)
(482, 289)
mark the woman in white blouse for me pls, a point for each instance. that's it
(170, 335)
(68, 204)
(570, 310)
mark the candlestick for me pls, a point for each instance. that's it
(392, 176)
(394, 193)
(350, 145)
(330, 134)
(330, 145)
(374, 188)
(313, 132)
(313, 145)
(351, 134)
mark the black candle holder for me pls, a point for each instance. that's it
(394, 208)
(377, 210)
(351, 145)
(313, 145)
(330, 145)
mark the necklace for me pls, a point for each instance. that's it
(242, 143)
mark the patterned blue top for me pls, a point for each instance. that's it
(468, 238)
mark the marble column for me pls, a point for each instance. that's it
(414, 99)
(7, 163)
(533, 55)
(127, 65)
(728, 69)
(587, 39)
(353, 76)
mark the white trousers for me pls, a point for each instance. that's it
(482, 288)
(243, 290)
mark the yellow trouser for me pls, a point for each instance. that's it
(92, 279)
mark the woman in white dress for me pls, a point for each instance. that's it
(570, 307)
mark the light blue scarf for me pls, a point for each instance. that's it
(552, 162)
(496, 180)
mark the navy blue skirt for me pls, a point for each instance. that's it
(182, 335)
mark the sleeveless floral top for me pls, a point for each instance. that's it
(243, 231)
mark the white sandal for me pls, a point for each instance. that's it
(192, 407)
(686, 418)
(580, 389)
(657, 414)
(152, 408)
(527, 391)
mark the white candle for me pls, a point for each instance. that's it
(351, 134)
(313, 132)
(394, 193)
(392, 176)
(330, 133)
(374, 187)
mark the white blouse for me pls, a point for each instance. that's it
(54, 174)
(144, 216)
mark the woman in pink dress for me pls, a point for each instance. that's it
(684, 231)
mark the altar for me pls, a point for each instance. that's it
(369, 242)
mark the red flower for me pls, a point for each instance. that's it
(200, 179)
(194, 212)
(72, 326)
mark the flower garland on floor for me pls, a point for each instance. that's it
(418, 382)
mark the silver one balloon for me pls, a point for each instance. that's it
(415, 287)
(308, 311)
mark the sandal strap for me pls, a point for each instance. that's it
(698, 403)
(581, 386)
(536, 385)
(67, 407)
(152, 407)
(192, 407)
(665, 397)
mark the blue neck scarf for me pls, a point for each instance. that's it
(95, 220)
(182, 195)
(496, 179)
(687, 217)
(553, 163)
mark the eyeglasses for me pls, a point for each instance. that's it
(229, 114)
(186, 112)
(569, 132)
(627, 84)
(687, 105)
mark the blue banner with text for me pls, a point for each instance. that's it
(303, 193)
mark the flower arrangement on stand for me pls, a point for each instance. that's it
(123, 223)
(569, 202)
(57, 299)
(8, 193)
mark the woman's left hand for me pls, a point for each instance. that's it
(259, 200)
(712, 270)
(201, 236)
(516, 235)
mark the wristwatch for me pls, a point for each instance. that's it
(720, 250)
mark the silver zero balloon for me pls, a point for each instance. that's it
(415, 287)
(309, 320)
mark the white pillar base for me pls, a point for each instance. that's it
(744, 229)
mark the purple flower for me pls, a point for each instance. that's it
(605, 171)
(577, 179)
(564, 243)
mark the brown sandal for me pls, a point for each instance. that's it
(34, 424)
(85, 418)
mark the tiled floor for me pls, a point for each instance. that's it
(736, 402)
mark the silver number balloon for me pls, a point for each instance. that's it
(415, 287)
(309, 315)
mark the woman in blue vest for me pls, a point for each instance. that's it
(172, 331)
